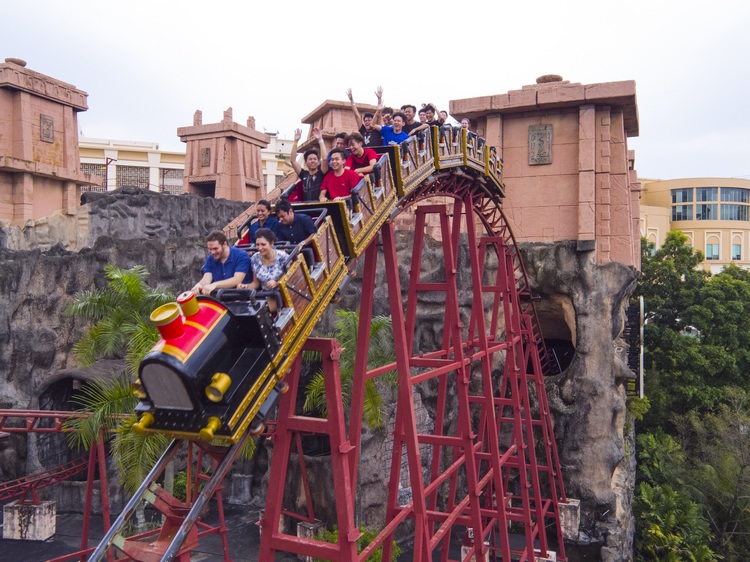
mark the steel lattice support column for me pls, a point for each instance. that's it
(483, 472)
(288, 428)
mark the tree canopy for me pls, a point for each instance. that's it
(692, 502)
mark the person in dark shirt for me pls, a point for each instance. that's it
(295, 228)
(410, 112)
(264, 220)
(370, 135)
(434, 119)
(316, 164)
(225, 267)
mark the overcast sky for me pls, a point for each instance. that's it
(148, 65)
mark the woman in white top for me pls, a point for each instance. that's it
(268, 265)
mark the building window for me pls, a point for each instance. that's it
(712, 251)
(706, 212)
(682, 195)
(733, 212)
(132, 175)
(682, 213)
(706, 193)
(171, 181)
(735, 194)
(736, 251)
(94, 170)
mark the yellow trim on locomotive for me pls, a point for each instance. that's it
(199, 327)
(182, 355)
(251, 395)
(220, 383)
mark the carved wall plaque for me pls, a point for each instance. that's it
(205, 157)
(540, 144)
(47, 129)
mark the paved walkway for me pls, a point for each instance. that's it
(243, 538)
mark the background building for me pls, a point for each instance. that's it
(712, 212)
(140, 164)
(143, 164)
(276, 161)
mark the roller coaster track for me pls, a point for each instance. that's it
(22, 487)
(38, 421)
(452, 164)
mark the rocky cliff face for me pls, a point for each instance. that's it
(580, 300)
(126, 227)
(588, 399)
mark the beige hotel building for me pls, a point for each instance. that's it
(712, 212)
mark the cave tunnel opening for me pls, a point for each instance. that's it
(558, 323)
(52, 448)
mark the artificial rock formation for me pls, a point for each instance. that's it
(125, 228)
(588, 399)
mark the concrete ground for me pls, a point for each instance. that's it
(243, 539)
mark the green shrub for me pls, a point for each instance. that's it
(367, 537)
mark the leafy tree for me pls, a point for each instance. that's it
(661, 460)
(683, 372)
(718, 473)
(669, 277)
(381, 352)
(120, 315)
(121, 326)
(669, 527)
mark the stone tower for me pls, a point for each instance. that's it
(39, 158)
(223, 159)
(567, 169)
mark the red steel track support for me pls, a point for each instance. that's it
(48, 421)
(486, 469)
(493, 462)
(288, 428)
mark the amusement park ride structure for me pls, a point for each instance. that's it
(489, 465)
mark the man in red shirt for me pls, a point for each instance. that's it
(339, 182)
(362, 160)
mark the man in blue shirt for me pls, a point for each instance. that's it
(225, 267)
(395, 133)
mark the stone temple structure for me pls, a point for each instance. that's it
(573, 204)
(572, 200)
(223, 159)
(567, 168)
(39, 161)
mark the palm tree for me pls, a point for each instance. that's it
(381, 352)
(120, 315)
(111, 406)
